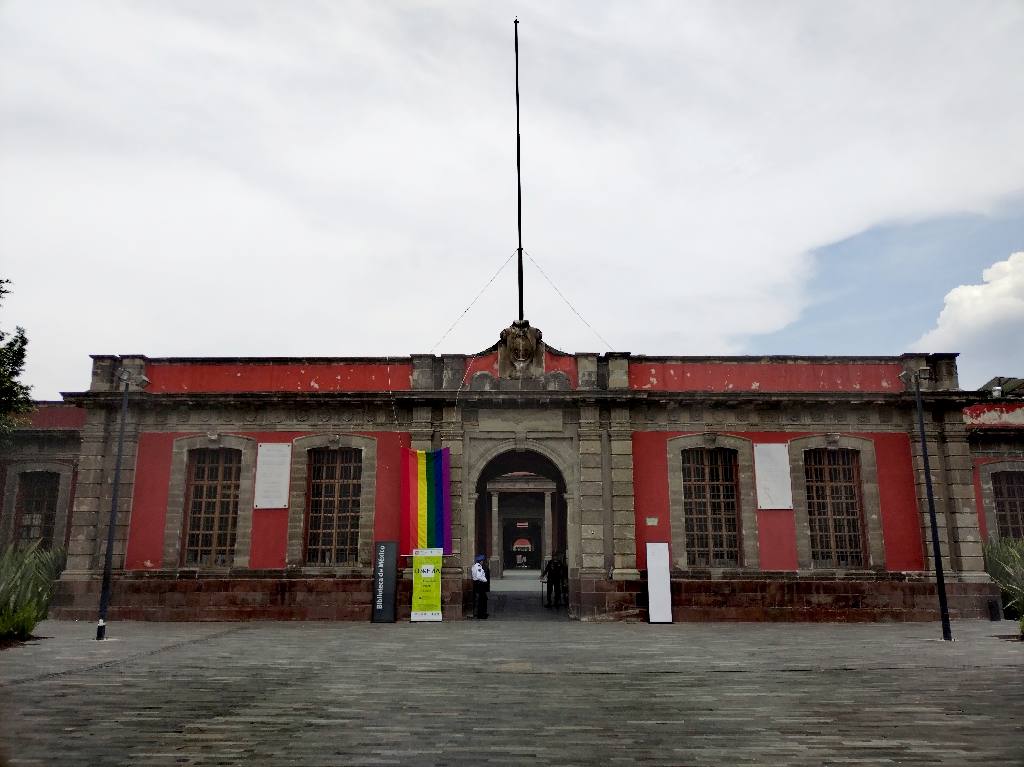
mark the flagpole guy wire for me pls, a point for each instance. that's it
(472, 303)
(568, 302)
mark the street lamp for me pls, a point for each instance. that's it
(125, 378)
(940, 580)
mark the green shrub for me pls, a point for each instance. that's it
(27, 578)
(1004, 561)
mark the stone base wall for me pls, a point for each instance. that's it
(781, 599)
(268, 596)
(238, 597)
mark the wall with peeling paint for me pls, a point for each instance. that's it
(1002, 416)
(753, 376)
(237, 377)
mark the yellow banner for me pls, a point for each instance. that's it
(426, 584)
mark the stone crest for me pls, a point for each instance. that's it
(521, 351)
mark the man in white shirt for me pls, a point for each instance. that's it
(481, 586)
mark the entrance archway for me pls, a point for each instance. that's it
(521, 518)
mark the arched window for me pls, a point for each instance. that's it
(35, 510)
(711, 509)
(835, 510)
(334, 484)
(1008, 495)
(211, 507)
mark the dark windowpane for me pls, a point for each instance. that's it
(710, 507)
(36, 507)
(214, 476)
(1008, 492)
(332, 506)
(834, 513)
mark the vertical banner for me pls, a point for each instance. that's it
(426, 584)
(426, 500)
(659, 590)
(385, 581)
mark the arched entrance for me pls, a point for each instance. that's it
(520, 523)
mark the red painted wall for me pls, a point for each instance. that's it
(567, 365)
(897, 498)
(180, 377)
(269, 539)
(765, 376)
(776, 535)
(897, 491)
(650, 490)
(486, 363)
(145, 549)
(270, 526)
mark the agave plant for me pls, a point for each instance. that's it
(1004, 561)
(27, 578)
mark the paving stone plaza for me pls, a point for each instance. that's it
(513, 692)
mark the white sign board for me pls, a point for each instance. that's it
(659, 590)
(273, 468)
(771, 467)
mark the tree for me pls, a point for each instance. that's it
(1004, 560)
(15, 399)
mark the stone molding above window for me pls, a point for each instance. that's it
(748, 505)
(295, 556)
(875, 554)
(175, 520)
(15, 469)
(988, 499)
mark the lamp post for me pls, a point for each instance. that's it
(940, 580)
(125, 378)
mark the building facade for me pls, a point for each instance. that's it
(787, 488)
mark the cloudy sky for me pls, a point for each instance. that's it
(338, 178)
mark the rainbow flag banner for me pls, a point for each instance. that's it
(426, 500)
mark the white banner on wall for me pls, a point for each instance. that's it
(273, 467)
(659, 590)
(771, 467)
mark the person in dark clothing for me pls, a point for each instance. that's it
(554, 570)
(481, 585)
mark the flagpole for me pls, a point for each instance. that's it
(519, 183)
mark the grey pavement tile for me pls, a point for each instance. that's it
(509, 692)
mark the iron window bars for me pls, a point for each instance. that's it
(1008, 494)
(834, 507)
(711, 507)
(332, 506)
(214, 479)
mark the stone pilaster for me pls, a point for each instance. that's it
(462, 526)
(592, 513)
(939, 491)
(961, 510)
(623, 517)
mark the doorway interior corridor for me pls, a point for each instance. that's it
(520, 525)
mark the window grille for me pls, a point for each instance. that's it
(214, 479)
(711, 507)
(36, 507)
(1008, 493)
(834, 507)
(332, 506)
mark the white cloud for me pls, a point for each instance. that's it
(985, 322)
(257, 178)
